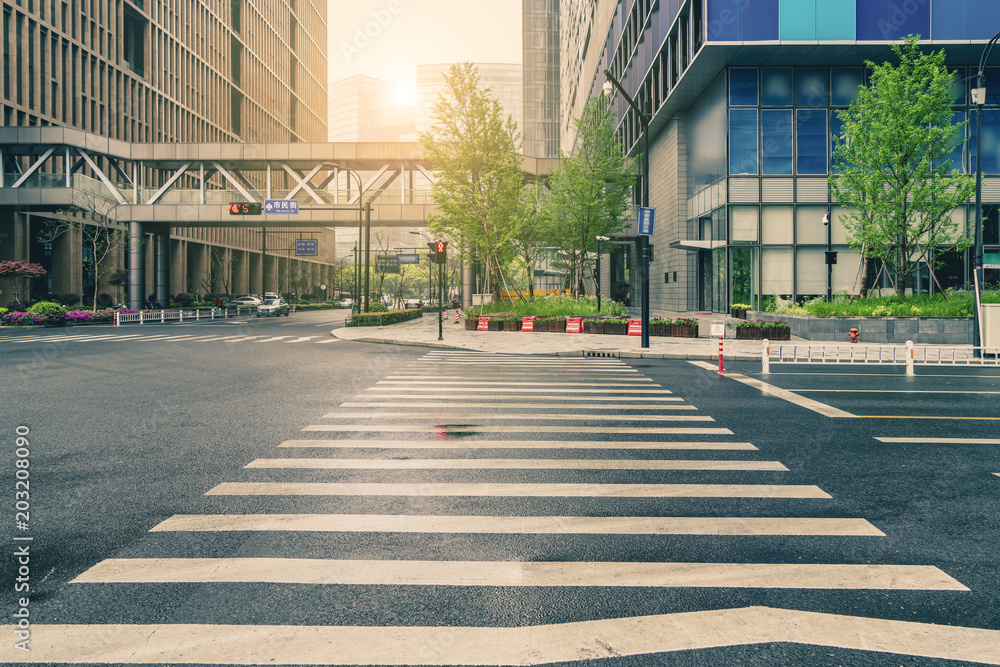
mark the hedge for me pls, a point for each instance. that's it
(382, 319)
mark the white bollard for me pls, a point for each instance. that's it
(142, 316)
(765, 356)
(909, 357)
(116, 319)
(197, 315)
(162, 317)
(181, 317)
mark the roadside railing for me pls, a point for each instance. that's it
(908, 354)
(162, 316)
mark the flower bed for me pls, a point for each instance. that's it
(759, 330)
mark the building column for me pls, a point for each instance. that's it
(178, 266)
(161, 268)
(241, 283)
(196, 267)
(67, 263)
(270, 270)
(468, 283)
(256, 267)
(136, 266)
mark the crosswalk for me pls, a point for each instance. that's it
(556, 454)
(60, 339)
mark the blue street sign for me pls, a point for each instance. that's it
(286, 206)
(408, 259)
(646, 218)
(306, 247)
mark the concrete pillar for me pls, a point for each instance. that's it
(270, 274)
(136, 266)
(67, 264)
(241, 282)
(468, 283)
(178, 266)
(161, 267)
(256, 268)
(197, 267)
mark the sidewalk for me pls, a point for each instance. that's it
(424, 332)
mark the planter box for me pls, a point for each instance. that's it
(593, 327)
(739, 313)
(660, 329)
(470, 324)
(557, 326)
(681, 331)
(760, 333)
(513, 325)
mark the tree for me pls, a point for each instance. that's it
(475, 154)
(895, 179)
(220, 270)
(95, 216)
(17, 270)
(591, 192)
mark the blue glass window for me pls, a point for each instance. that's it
(957, 144)
(845, 80)
(760, 20)
(873, 20)
(990, 142)
(776, 147)
(992, 78)
(812, 87)
(836, 130)
(983, 17)
(743, 141)
(948, 20)
(743, 86)
(811, 138)
(776, 86)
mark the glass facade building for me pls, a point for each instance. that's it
(744, 99)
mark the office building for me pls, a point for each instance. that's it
(743, 98)
(540, 69)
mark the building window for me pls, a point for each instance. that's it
(812, 87)
(743, 141)
(845, 83)
(776, 86)
(811, 141)
(134, 47)
(743, 86)
(777, 141)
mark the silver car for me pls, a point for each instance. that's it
(273, 307)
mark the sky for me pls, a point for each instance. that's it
(387, 39)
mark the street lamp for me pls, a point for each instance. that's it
(354, 287)
(430, 268)
(979, 99)
(609, 85)
(598, 281)
(829, 257)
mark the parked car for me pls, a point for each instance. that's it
(247, 300)
(347, 303)
(271, 295)
(273, 307)
(413, 303)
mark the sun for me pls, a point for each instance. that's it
(406, 95)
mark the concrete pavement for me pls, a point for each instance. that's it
(424, 332)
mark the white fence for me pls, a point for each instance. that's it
(161, 316)
(909, 354)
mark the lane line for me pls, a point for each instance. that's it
(520, 490)
(514, 444)
(418, 391)
(784, 394)
(301, 339)
(273, 338)
(487, 383)
(630, 398)
(581, 641)
(942, 441)
(461, 377)
(540, 406)
(524, 525)
(513, 573)
(926, 417)
(541, 416)
(514, 428)
(515, 464)
(895, 391)
(323, 342)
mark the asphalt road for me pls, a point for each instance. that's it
(269, 486)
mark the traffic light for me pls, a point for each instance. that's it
(440, 251)
(245, 208)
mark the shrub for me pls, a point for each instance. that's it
(70, 299)
(104, 300)
(16, 307)
(183, 299)
(377, 307)
(382, 319)
(76, 316)
(49, 312)
(3, 311)
(20, 318)
(760, 324)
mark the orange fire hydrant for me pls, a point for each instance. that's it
(853, 333)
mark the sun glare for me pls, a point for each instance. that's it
(407, 95)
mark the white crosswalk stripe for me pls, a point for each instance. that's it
(161, 337)
(365, 461)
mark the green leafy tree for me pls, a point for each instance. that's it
(591, 192)
(531, 232)
(474, 152)
(895, 179)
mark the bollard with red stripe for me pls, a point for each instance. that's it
(457, 313)
(721, 369)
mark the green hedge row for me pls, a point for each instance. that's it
(383, 319)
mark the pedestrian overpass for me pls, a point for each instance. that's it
(155, 186)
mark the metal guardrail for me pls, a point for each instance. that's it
(161, 316)
(908, 354)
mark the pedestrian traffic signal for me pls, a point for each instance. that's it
(245, 208)
(441, 251)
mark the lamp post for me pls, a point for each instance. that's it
(829, 257)
(354, 286)
(643, 199)
(979, 99)
(430, 269)
(598, 281)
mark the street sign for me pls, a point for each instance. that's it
(285, 206)
(718, 328)
(385, 264)
(991, 260)
(647, 217)
(306, 247)
(408, 258)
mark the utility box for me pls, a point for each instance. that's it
(991, 324)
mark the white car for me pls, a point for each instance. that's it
(247, 301)
(347, 303)
(273, 307)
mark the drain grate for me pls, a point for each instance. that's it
(600, 353)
